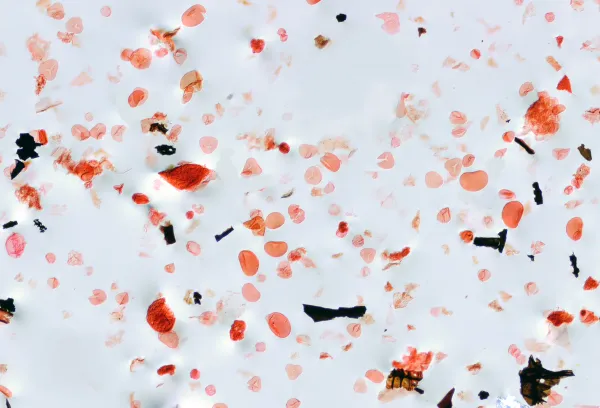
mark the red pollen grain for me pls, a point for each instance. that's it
(590, 284)
(160, 317)
(560, 317)
(189, 215)
(30, 196)
(236, 333)
(186, 177)
(140, 198)
(166, 369)
(284, 148)
(257, 45)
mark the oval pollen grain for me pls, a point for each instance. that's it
(575, 228)
(474, 180)
(512, 213)
(276, 248)
(279, 325)
(248, 262)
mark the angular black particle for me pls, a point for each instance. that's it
(531, 257)
(483, 395)
(7, 305)
(524, 145)
(573, 260)
(223, 234)
(158, 127)
(536, 381)
(169, 234)
(446, 402)
(8, 404)
(321, 314)
(340, 18)
(10, 224)
(40, 225)
(197, 298)
(421, 31)
(27, 145)
(585, 152)
(165, 150)
(19, 167)
(495, 243)
(537, 194)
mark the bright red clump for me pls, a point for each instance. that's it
(187, 177)
(166, 369)
(342, 229)
(257, 45)
(236, 333)
(140, 198)
(560, 317)
(160, 316)
(414, 361)
(30, 196)
(284, 148)
(542, 116)
(396, 256)
(590, 284)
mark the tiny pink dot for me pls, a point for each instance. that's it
(105, 11)
(50, 257)
(89, 117)
(549, 17)
(195, 374)
(260, 347)
(210, 390)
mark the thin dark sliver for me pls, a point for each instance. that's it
(10, 224)
(524, 145)
(537, 194)
(19, 167)
(41, 226)
(573, 260)
(224, 234)
(288, 194)
(322, 314)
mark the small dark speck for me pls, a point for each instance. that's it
(483, 395)
(531, 257)
(223, 234)
(8, 404)
(421, 31)
(507, 120)
(169, 233)
(197, 298)
(340, 18)
(229, 97)
(165, 150)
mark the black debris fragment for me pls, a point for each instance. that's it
(585, 152)
(7, 310)
(524, 145)
(19, 167)
(40, 225)
(537, 194)
(573, 260)
(197, 298)
(321, 314)
(224, 234)
(536, 381)
(10, 224)
(288, 194)
(483, 395)
(8, 404)
(532, 257)
(446, 402)
(27, 145)
(340, 18)
(421, 31)
(158, 127)
(165, 150)
(495, 243)
(169, 233)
